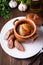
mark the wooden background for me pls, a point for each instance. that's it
(6, 59)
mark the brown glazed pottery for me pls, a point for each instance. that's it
(18, 36)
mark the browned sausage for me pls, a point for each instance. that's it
(18, 45)
(8, 33)
(10, 44)
(11, 37)
(11, 40)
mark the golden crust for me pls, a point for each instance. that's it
(35, 17)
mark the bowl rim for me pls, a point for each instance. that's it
(28, 36)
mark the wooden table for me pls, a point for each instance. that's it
(6, 59)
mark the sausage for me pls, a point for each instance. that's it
(10, 44)
(8, 33)
(18, 45)
(11, 40)
(11, 37)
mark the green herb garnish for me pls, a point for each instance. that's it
(27, 2)
(4, 8)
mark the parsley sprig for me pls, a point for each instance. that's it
(4, 8)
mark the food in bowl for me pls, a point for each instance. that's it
(23, 29)
(20, 29)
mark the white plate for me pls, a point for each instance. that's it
(31, 48)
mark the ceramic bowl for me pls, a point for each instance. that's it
(23, 38)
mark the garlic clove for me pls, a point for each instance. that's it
(13, 4)
(22, 7)
(10, 4)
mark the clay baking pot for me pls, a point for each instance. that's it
(18, 36)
